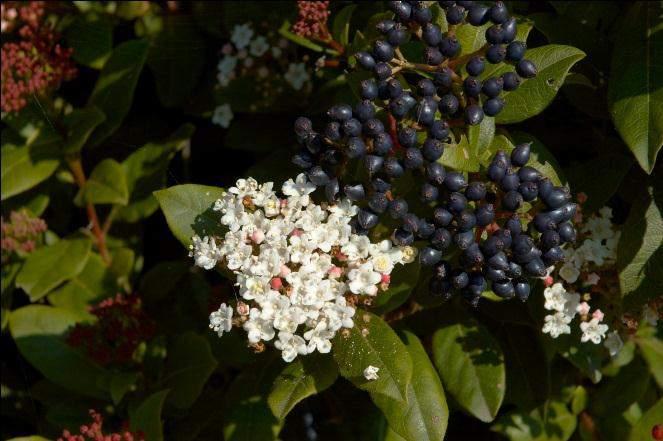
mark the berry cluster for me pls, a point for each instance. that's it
(452, 212)
(448, 92)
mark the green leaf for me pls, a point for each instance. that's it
(9, 272)
(91, 38)
(25, 167)
(471, 38)
(79, 125)
(29, 438)
(425, 414)
(541, 158)
(403, 280)
(147, 417)
(188, 210)
(93, 283)
(635, 91)
(121, 383)
(553, 63)
(145, 170)
(471, 365)
(107, 184)
(550, 422)
(190, 363)
(372, 342)
(302, 41)
(300, 379)
(341, 25)
(38, 331)
(49, 266)
(480, 137)
(460, 156)
(640, 251)
(652, 351)
(642, 429)
(176, 58)
(630, 384)
(114, 90)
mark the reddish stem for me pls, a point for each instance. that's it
(393, 131)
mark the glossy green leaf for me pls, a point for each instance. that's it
(404, 279)
(49, 266)
(25, 167)
(541, 158)
(340, 29)
(480, 137)
(471, 38)
(120, 384)
(79, 125)
(146, 417)
(372, 342)
(651, 347)
(39, 334)
(635, 92)
(107, 184)
(9, 272)
(188, 210)
(460, 156)
(550, 422)
(300, 379)
(471, 365)
(630, 384)
(640, 251)
(145, 170)
(114, 90)
(176, 58)
(425, 414)
(535, 94)
(642, 429)
(91, 38)
(93, 283)
(190, 363)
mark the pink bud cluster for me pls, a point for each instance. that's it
(121, 326)
(34, 62)
(21, 233)
(312, 19)
(94, 431)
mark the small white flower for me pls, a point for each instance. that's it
(296, 75)
(593, 279)
(408, 254)
(290, 345)
(371, 373)
(205, 252)
(259, 46)
(226, 65)
(319, 338)
(613, 343)
(220, 321)
(557, 324)
(241, 35)
(555, 297)
(571, 304)
(222, 116)
(593, 331)
(363, 280)
(569, 273)
(298, 190)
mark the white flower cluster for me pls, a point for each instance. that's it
(598, 249)
(565, 305)
(251, 54)
(295, 261)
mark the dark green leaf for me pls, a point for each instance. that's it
(471, 365)
(115, 87)
(107, 184)
(640, 251)
(300, 379)
(480, 137)
(147, 417)
(79, 125)
(121, 383)
(51, 265)
(651, 347)
(629, 385)
(425, 414)
(341, 25)
(635, 93)
(541, 158)
(550, 422)
(372, 342)
(176, 58)
(188, 210)
(91, 38)
(190, 363)
(403, 280)
(38, 331)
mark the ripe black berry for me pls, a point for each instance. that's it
(439, 130)
(522, 289)
(493, 106)
(407, 137)
(496, 54)
(520, 155)
(402, 10)
(373, 163)
(457, 202)
(515, 51)
(512, 200)
(364, 110)
(509, 30)
(511, 81)
(475, 66)
(478, 15)
(472, 86)
(397, 36)
(510, 181)
(441, 239)
(494, 34)
(498, 13)
(566, 232)
(378, 202)
(431, 34)
(528, 190)
(448, 104)
(432, 149)
(392, 167)
(413, 158)
(449, 46)
(442, 217)
(475, 191)
(331, 190)
(354, 192)
(526, 68)
(455, 181)
(473, 114)
(433, 56)
(492, 87)
(365, 60)
(429, 193)
(455, 14)
(485, 215)
(403, 237)
(303, 126)
(435, 173)
(356, 148)
(397, 208)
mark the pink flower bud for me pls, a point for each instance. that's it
(227, 49)
(583, 308)
(243, 308)
(548, 281)
(598, 314)
(386, 278)
(258, 236)
(335, 272)
(276, 283)
(284, 271)
(581, 197)
(296, 232)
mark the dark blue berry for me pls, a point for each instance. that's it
(373, 126)
(433, 56)
(432, 149)
(331, 190)
(421, 14)
(499, 261)
(555, 197)
(303, 159)
(455, 14)
(407, 137)
(545, 187)
(460, 279)
(550, 239)
(566, 232)
(410, 222)
(382, 70)
(504, 235)
(466, 220)
(475, 191)
(365, 60)
(464, 239)
(382, 144)
(351, 127)
(455, 181)
(393, 168)
(340, 112)
(442, 217)
(494, 34)
(522, 289)
(426, 87)
(402, 10)
(528, 174)
(448, 104)
(426, 229)
(413, 158)
(512, 200)
(397, 36)
(397, 208)
(382, 50)
(367, 219)
(509, 29)
(510, 181)
(498, 13)
(403, 237)
(425, 112)
(497, 171)
(373, 163)
(492, 87)
(475, 66)
(378, 202)
(515, 51)
(478, 15)
(511, 81)
(526, 68)
(429, 256)
(514, 225)
(494, 274)
(385, 26)
(380, 185)
(472, 256)
(495, 54)
(303, 126)
(356, 147)
(439, 130)
(472, 86)
(493, 106)
(449, 46)
(504, 289)
(364, 110)
(318, 176)
(520, 155)
(431, 34)
(564, 213)
(333, 131)
(485, 215)
(492, 245)
(522, 244)
(354, 192)
(441, 239)
(443, 79)
(529, 191)
(429, 192)
(473, 114)
(536, 267)
(395, 88)
(457, 201)
(514, 270)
